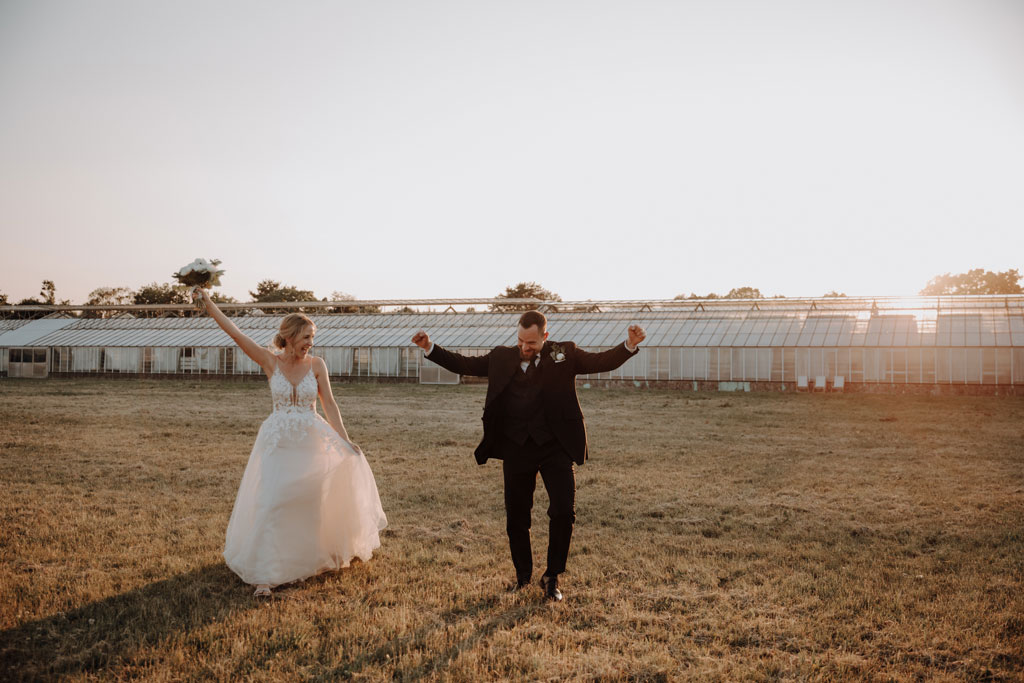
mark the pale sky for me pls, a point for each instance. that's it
(431, 149)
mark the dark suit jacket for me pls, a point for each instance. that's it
(558, 393)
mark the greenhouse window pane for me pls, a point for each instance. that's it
(700, 325)
(988, 366)
(805, 336)
(886, 331)
(792, 335)
(972, 366)
(1016, 323)
(679, 334)
(656, 332)
(715, 332)
(767, 334)
(818, 325)
(972, 330)
(988, 330)
(785, 329)
(684, 338)
(1002, 366)
(740, 336)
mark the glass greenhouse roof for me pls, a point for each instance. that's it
(913, 322)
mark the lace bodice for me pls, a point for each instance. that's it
(293, 397)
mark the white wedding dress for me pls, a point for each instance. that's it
(308, 502)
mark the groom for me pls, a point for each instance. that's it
(533, 423)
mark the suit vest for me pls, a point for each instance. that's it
(523, 409)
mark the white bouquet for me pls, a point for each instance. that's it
(199, 273)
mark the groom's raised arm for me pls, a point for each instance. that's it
(588, 363)
(474, 366)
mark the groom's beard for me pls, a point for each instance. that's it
(527, 355)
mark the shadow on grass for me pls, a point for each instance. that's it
(108, 632)
(392, 651)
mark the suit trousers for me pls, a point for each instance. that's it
(520, 467)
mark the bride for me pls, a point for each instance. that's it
(308, 502)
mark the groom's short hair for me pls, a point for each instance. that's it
(531, 318)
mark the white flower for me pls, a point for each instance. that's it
(200, 272)
(560, 357)
(201, 265)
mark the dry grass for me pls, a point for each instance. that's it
(719, 537)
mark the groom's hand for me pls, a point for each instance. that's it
(636, 335)
(422, 340)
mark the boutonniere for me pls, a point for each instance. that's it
(557, 353)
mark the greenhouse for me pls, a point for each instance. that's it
(814, 344)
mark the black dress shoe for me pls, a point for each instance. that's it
(521, 583)
(549, 584)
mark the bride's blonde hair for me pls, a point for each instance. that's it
(290, 326)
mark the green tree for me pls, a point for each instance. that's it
(6, 314)
(744, 293)
(49, 292)
(342, 296)
(977, 281)
(107, 296)
(156, 294)
(694, 295)
(833, 294)
(734, 293)
(110, 296)
(271, 291)
(219, 298)
(166, 293)
(28, 315)
(524, 290)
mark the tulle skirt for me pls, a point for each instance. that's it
(307, 504)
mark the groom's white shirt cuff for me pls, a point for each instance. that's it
(631, 349)
(430, 350)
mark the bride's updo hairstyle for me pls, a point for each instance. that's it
(290, 326)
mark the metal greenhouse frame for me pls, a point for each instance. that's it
(857, 343)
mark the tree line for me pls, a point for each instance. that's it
(267, 291)
(976, 281)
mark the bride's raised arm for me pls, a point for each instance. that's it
(258, 353)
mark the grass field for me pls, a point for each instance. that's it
(718, 537)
